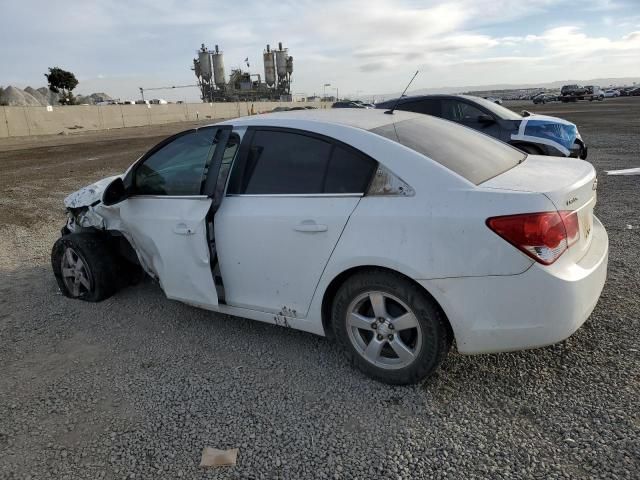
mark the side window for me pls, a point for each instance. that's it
(178, 168)
(281, 163)
(348, 172)
(460, 111)
(426, 106)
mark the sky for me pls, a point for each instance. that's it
(360, 47)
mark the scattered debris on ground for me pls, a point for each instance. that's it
(212, 457)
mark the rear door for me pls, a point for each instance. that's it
(289, 197)
(165, 216)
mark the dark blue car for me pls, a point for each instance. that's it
(535, 134)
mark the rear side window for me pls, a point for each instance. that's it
(284, 162)
(470, 154)
(348, 172)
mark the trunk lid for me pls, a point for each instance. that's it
(569, 183)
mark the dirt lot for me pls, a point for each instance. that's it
(136, 386)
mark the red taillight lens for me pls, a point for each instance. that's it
(571, 224)
(543, 236)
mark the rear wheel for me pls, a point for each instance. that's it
(84, 267)
(389, 328)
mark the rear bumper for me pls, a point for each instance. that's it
(539, 307)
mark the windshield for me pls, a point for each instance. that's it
(470, 154)
(498, 110)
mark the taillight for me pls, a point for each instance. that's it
(543, 236)
(570, 220)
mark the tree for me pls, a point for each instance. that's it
(61, 81)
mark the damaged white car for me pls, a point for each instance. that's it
(394, 234)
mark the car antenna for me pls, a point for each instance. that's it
(390, 112)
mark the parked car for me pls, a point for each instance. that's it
(494, 100)
(543, 98)
(572, 90)
(573, 93)
(611, 93)
(594, 92)
(536, 134)
(392, 234)
(634, 92)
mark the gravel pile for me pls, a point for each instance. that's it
(137, 386)
(12, 96)
(41, 98)
(52, 98)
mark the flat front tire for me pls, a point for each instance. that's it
(389, 328)
(84, 267)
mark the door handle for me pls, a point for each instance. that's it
(310, 226)
(183, 229)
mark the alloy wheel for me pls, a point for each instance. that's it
(384, 330)
(75, 273)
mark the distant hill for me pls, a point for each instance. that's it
(603, 82)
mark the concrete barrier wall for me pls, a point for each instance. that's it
(24, 121)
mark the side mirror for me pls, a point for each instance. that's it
(114, 193)
(486, 119)
(525, 113)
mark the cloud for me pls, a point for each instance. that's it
(570, 40)
(371, 45)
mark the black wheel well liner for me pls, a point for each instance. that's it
(117, 241)
(535, 146)
(336, 283)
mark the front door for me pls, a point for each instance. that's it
(166, 214)
(289, 198)
(469, 115)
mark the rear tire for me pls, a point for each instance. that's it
(85, 267)
(389, 328)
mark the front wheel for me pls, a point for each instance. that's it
(84, 267)
(389, 328)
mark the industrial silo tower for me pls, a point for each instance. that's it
(218, 68)
(269, 67)
(284, 69)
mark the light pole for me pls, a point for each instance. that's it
(324, 91)
(337, 95)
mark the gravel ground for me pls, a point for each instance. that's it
(138, 385)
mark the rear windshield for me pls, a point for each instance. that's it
(472, 155)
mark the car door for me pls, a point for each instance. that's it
(166, 210)
(289, 197)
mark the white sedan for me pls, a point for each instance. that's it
(394, 234)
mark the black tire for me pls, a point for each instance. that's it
(100, 265)
(433, 327)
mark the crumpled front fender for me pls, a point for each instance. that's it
(90, 195)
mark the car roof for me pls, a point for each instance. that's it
(411, 98)
(363, 118)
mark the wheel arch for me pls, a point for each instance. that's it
(529, 145)
(335, 284)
